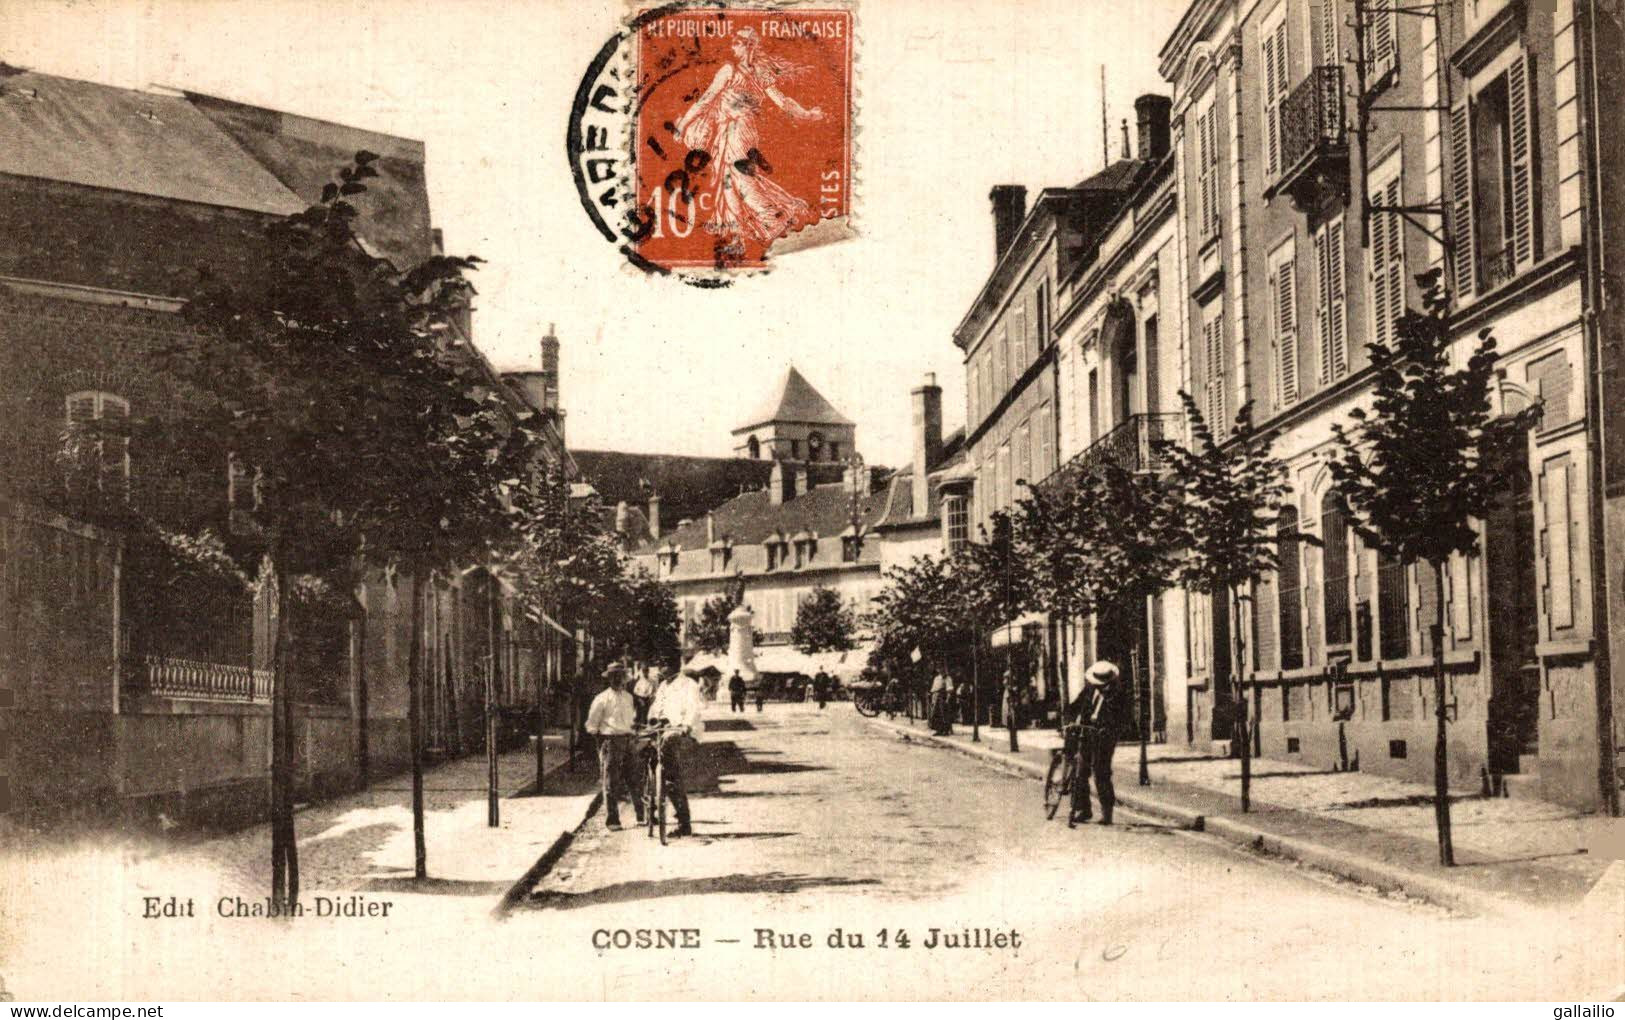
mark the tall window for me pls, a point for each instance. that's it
(1387, 252)
(1152, 383)
(1207, 169)
(1215, 407)
(1393, 607)
(1291, 593)
(1044, 425)
(1094, 405)
(956, 523)
(1003, 497)
(1043, 316)
(1324, 17)
(1018, 344)
(1495, 179)
(1331, 316)
(1334, 531)
(1272, 40)
(1023, 455)
(98, 441)
(974, 388)
(1284, 319)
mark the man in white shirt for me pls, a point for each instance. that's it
(678, 703)
(610, 719)
(643, 692)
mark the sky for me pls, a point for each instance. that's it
(954, 96)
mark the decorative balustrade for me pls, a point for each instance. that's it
(1314, 139)
(188, 678)
(1131, 445)
(1496, 268)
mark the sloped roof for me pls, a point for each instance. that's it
(688, 486)
(900, 508)
(304, 153)
(148, 143)
(795, 400)
(1115, 176)
(749, 519)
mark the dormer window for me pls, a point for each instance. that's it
(721, 555)
(667, 558)
(852, 544)
(806, 547)
(778, 550)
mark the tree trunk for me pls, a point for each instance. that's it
(1010, 712)
(279, 773)
(1141, 711)
(542, 686)
(492, 808)
(1239, 698)
(1441, 771)
(975, 689)
(414, 721)
(362, 703)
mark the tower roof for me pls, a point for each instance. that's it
(795, 400)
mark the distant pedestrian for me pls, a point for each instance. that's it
(942, 723)
(761, 693)
(821, 689)
(643, 692)
(736, 693)
(610, 719)
(1098, 711)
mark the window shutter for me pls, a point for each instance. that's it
(1272, 93)
(1461, 201)
(1286, 318)
(1282, 82)
(1392, 239)
(1381, 47)
(1336, 299)
(1519, 118)
(81, 408)
(1214, 335)
(1323, 22)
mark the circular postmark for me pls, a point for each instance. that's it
(707, 137)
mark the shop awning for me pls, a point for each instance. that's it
(1014, 631)
(703, 661)
(787, 659)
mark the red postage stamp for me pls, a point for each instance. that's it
(735, 135)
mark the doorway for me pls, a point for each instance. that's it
(1514, 621)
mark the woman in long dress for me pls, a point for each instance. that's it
(745, 204)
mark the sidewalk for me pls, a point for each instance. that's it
(363, 842)
(1369, 828)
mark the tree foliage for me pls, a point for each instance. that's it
(825, 622)
(710, 629)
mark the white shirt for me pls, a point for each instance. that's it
(645, 687)
(611, 713)
(678, 702)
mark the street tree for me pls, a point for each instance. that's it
(371, 425)
(990, 586)
(1421, 465)
(825, 622)
(914, 619)
(1103, 542)
(709, 631)
(1227, 523)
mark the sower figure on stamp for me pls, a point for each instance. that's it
(678, 704)
(1097, 710)
(610, 719)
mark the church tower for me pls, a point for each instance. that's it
(796, 424)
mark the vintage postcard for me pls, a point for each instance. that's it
(735, 500)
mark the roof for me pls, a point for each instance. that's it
(148, 143)
(304, 153)
(750, 518)
(900, 510)
(1114, 177)
(796, 401)
(687, 486)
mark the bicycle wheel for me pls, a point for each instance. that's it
(1057, 783)
(660, 797)
(866, 704)
(651, 791)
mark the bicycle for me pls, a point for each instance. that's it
(872, 699)
(651, 747)
(1063, 770)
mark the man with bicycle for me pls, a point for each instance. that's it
(677, 703)
(610, 720)
(1096, 713)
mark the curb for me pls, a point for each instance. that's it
(536, 872)
(1351, 866)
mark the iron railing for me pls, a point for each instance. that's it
(1130, 445)
(1496, 268)
(1312, 117)
(188, 678)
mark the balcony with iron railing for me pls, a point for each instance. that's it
(1130, 445)
(1496, 268)
(1314, 140)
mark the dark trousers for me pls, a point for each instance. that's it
(737, 702)
(673, 752)
(1095, 752)
(759, 699)
(618, 774)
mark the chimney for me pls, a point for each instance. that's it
(927, 439)
(1151, 111)
(710, 527)
(776, 484)
(623, 518)
(654, 516)
(1009, 209)
(1126, 153)
(550, 369)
